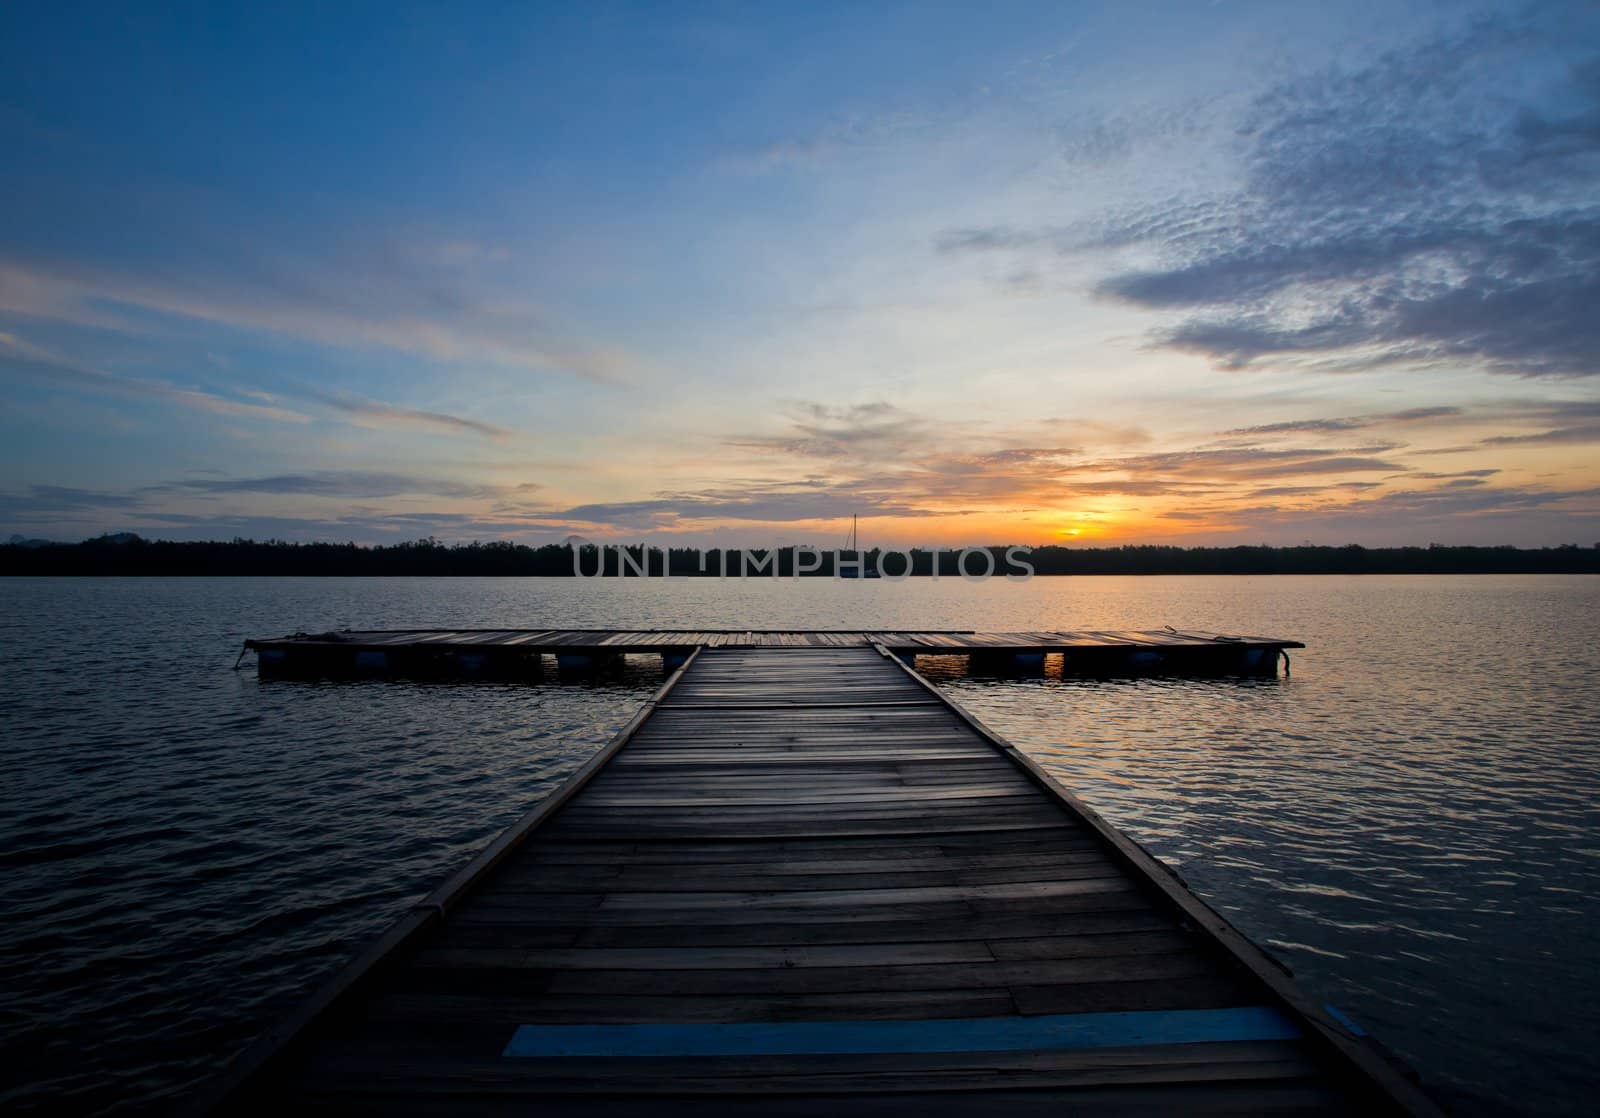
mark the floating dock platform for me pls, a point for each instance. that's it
(802, 881)
(513, 653)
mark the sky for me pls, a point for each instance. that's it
(729, 273)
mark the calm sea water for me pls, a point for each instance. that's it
(1412, 821)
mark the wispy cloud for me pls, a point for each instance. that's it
(869, 431)
(351, 505)
(24, 363)
(1004, 237)
(709, 508)
(1440, 505)
(1484, 473)
(1348, 422)
(1561, 436)
(35, 364)
(1251, 462)
(378, 413)
(339, 483)
(844, 133)
(61, 497)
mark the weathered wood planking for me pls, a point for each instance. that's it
(518, 652)
(823, 903)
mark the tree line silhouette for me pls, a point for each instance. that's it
(126, 554)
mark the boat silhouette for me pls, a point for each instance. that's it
(864, 567)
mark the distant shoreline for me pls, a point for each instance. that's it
(129, 555)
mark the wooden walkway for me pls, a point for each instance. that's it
(802, 882)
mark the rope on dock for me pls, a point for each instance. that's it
(242, 650)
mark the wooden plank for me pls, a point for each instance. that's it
(803, 980)
(518, 1008)
(890, 774)
(762, 956)
(656, 859)
(991, 928)
(680, 879)
(689, 762)
(665, 859)
(567, 910)
(771, 796)
(801, 810)
(894, 828)
(1111, 881)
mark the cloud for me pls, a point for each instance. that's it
(1027, 456)
(1347, 423)
(1426, 209)
(1000, 237)
(849, 131)
(377, 413)
(1318, 426)
(19, 358)
(41, 508)
(1464, 449)
(866, 431)
(57, 373)
(1287, 491)
(1411, 415)
(338, 483)
(708, 508)
(70, 513)
(55, 497)
(1092, 432)
(152, 505)
(1448, 503)
(1329, 465)
(1562, 436)
(1250, 462)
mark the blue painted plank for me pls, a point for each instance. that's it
(1350, 1025)
(972, 1034)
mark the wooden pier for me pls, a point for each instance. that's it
(801, 881)
(513, 653)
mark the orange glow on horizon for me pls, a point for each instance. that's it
(1031, 527)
